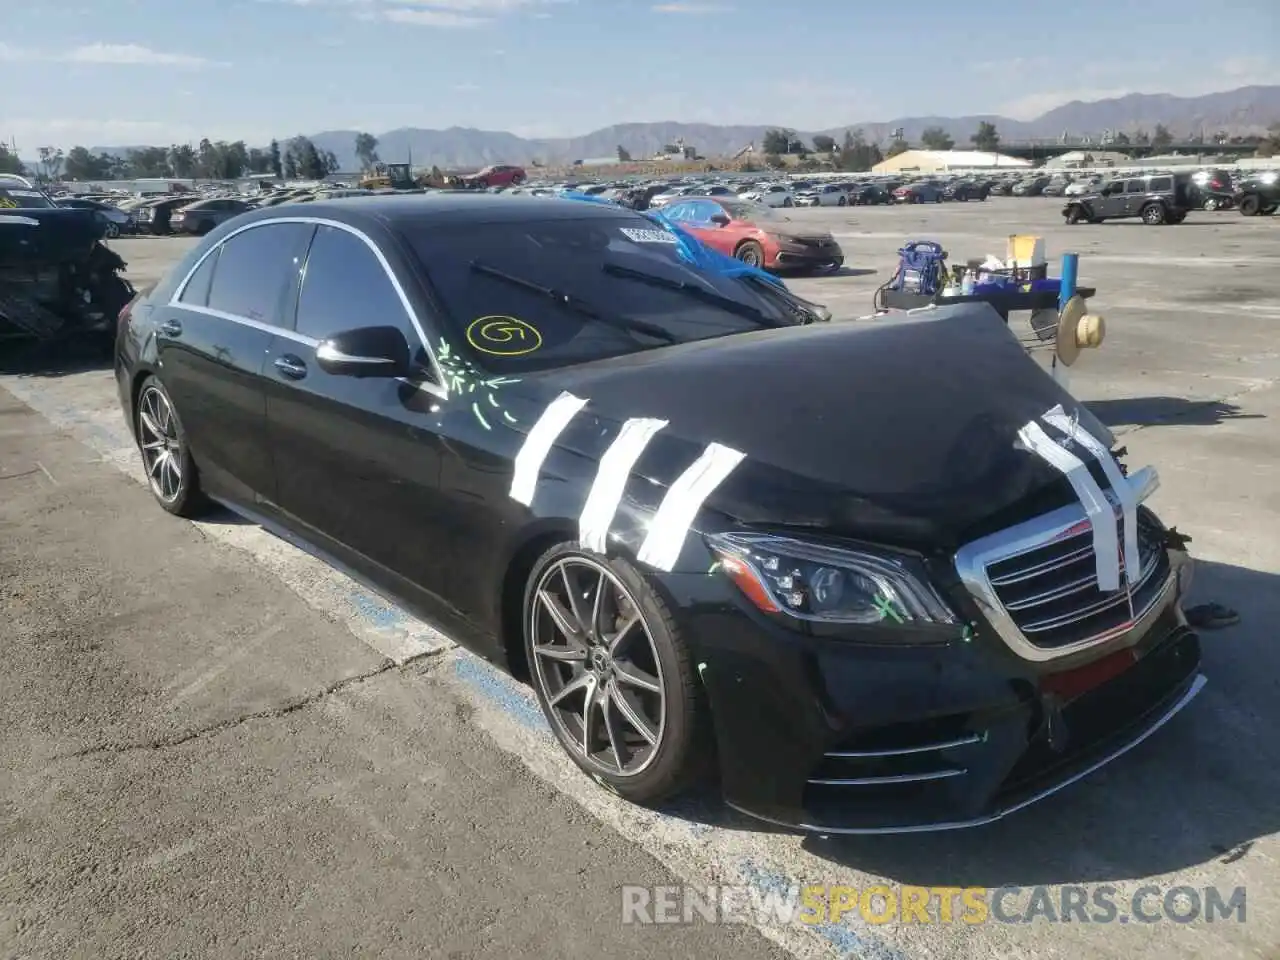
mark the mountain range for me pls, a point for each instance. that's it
(1247, 110)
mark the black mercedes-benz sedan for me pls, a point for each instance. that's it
(876, 575)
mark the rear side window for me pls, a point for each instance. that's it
(196, 292)
(345, 286)
(255, 270)
(1161, 183)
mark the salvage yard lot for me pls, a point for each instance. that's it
(211, 744)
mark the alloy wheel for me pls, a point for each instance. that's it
(160, 444)
(597, 667)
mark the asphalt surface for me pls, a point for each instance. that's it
(212, 745)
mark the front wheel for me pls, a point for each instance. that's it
(750, 253)
(1075, 215)
(166, 456)
(613, 676)
(842, 202)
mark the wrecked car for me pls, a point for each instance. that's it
(876, 577)
(57, 278)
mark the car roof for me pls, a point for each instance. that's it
(395, 211)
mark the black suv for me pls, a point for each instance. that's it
(1259, 194)
(1157, 198)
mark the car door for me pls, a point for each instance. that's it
(357, 461)
(211, 345)
(1135, 193)
(699, 222)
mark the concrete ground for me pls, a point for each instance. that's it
(212, 745)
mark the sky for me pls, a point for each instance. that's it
(126, 72)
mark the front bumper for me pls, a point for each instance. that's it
(808, 257)
(834, 737)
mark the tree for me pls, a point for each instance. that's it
(182, 160)
(1121, 139)
(856, 155)
(1162, 139)
(824, 144)
(987, 139)
(777, 141)
(897, 147)
(80, 164)
(9, 162)
(289, 167)
(51, 160)
(259, 161)
(623, 155)
(1270, 146)
(274, 153)
(1142, 138)
(935, 138)
(366, 150)
(310, 162)
(331, 163)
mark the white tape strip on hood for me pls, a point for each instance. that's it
(1057, 418)
(679, 508)
(611, 481)
(1097, 507)
(538, 444)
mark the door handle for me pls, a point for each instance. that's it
(171, 328)
(291, 367)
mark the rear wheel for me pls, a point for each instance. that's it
(1251, 205)
(1211, 203)
(113, 229)
(750, 253)
(1153, 214)
(166, 457)
(613, 676)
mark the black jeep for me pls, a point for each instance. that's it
(57, 279)
(1259, 194)
(1156, 198)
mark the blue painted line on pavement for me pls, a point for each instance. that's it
(486, 680)
(376, 613)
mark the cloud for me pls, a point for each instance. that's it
(433, 18)
(690, 8)
(104, 54)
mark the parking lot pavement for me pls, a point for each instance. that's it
(194, 762)
(1189, 375)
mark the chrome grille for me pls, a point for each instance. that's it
(1037, 582)
(1051, 592)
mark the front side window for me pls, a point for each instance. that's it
(22, 198)
(255, 269)
(534, 295)
(1136, 186)
(345, 286)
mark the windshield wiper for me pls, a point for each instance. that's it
(693, 290)
(627, 324)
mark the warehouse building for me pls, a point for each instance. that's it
(940, 161)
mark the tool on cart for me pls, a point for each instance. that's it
(922, 269)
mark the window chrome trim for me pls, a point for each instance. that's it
(972, 559)
(439, 388)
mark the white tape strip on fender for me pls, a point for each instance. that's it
(1057, 418)
(1106, 546)
(679, 508)
(538, 444)
(611, 481)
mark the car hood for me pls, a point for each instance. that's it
(899, 430)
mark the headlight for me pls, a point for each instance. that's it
(812, 581)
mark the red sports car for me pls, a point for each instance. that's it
(755, 234)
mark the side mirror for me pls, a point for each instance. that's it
(365, 352)
(720, 219)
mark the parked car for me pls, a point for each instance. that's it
(1030, 187)
(963, 190)
(618, 475)
(1084, 185)
(771, 195)
(1155, 198)
(923, 191)
(1258, 194)
(869, 194)
(155, 216)
(202, 216)
(1216, 188)
(117, 221)
(824, 195)
(755, 234)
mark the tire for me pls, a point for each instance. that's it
(788, 202)
(1153, 214)
(1250, 205)
(1177, 218)
(180, 495)
(1211, 204)
(593, 676)
(113, 230)
(1075, 214)
(750, 253)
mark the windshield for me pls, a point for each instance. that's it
(22, 198)
(536, 295)
(741, 210)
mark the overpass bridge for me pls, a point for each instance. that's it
(1046, 149)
